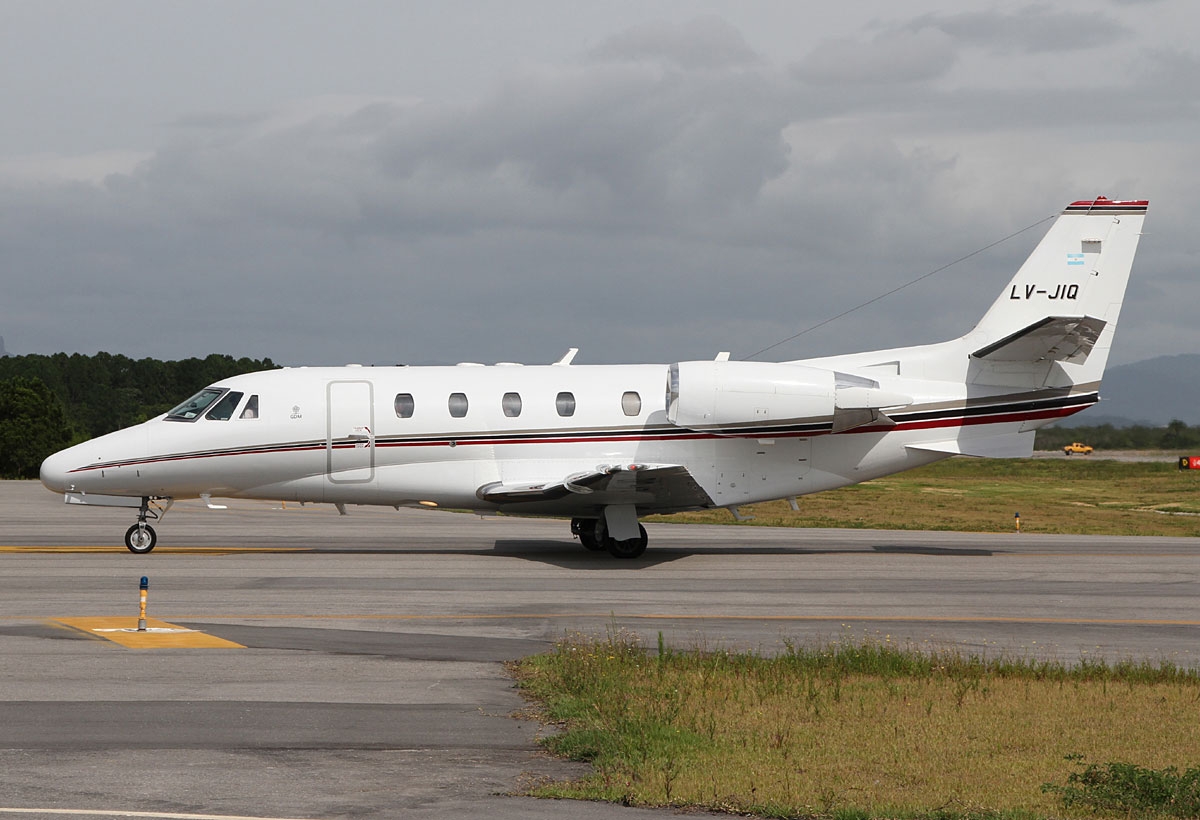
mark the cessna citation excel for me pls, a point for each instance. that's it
(604, 445)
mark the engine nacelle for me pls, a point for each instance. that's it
(715, 395)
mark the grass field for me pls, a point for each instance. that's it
(1083, 495)
(858, 732)
(851, 732)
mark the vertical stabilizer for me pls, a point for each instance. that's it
(1060, 312)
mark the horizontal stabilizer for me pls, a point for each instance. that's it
(1011, 445)
(663, 485)
(1054, 338)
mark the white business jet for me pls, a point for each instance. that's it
(605, 445)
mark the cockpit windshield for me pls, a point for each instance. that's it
(223, 410)
(191, 409)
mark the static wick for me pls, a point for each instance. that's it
(145, 588)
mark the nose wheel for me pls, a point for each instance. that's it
(140, 538)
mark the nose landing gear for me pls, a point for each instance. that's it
(141, 537)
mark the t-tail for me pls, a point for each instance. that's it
(1053, 325)
(1038, 353)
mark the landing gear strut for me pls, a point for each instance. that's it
(141, 538)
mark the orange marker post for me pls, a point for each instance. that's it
(145, 588)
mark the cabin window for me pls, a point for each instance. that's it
(458, 405)
(511, 404)
(223, 410)
(631, 403)
(405, 405)
(191, 409)
(565, 404)
(251, 409)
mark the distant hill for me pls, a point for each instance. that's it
(1151, 392)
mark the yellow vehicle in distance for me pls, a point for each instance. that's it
(1077, 448)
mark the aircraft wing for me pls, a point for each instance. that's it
(657, 486)
(1054, 338)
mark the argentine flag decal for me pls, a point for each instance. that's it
(1074, 258)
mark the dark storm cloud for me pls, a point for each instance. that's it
(704, 43)
(669, 194)
(1160, 90)
(612, 142)
(585, 191)
(1029, 30)
(603, 145)
(891, 57)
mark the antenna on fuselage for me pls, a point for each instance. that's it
(568, 357)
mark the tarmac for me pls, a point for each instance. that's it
(301, 664)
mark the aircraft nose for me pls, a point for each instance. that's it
(55, 472)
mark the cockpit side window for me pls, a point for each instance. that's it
(223, 410)
(251, 409)
(191, 409)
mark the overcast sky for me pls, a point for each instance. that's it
(386, 182)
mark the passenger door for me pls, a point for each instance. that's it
(350, 433)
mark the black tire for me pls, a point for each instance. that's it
(585, 530)
(140, 539)
(632, 548)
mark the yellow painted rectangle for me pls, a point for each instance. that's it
(158, 634)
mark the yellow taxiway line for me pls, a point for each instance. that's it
(158, 634)
(161, 550)
(667, 616)
(160, 815)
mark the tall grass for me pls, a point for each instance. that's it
(850, 730)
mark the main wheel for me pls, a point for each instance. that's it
(585, 529)
(140, 538)
(631, 548)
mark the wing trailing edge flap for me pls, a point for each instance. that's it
(657, 485)
(1054, 338)
(1011, 445)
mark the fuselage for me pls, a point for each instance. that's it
(435, 435)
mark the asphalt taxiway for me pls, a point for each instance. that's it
(298, 663)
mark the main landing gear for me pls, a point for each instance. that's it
(141, 537)
(593, 534)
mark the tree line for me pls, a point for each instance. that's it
(51, 402)
(1175, 436)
